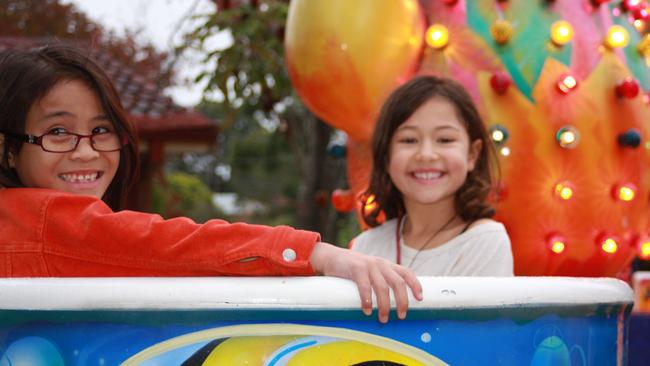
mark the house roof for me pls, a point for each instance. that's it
(154, 114)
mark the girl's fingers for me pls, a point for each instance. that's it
(382, 292)
(411, 279)
(370, 274)
(400, 291)
(365, 291)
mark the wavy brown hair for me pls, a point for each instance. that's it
(470, 199)
(26, 76)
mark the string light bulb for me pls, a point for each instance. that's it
(640, 13)
(608, 244)
(563, 190)
(630, 139)
(501, 31)
(437, 36)
(624, 192)
(598, 2)
(561, 32)
(556, 243)
(644, 46)
(643, 248)
(499, 134)
(631, 5)
(567, 83)
(617, 37)
(500, 82)
(627, 88)
(567, 137)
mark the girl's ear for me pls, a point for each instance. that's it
(474, 152)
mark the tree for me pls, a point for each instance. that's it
(52, 19)
(251, 77)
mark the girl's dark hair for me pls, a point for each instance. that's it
(470, 199)
(26, 76)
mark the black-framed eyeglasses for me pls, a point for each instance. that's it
(68, 141)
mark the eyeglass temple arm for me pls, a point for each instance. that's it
(30, 139)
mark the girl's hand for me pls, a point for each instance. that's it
(369, 273)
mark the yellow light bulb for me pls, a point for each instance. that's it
(501, 31)
(561, 32)
(617, 37)
(639, 25)
(557, 247)
(505, 151)
(563, 191)
(609, 246)
(626, 193)
(437, 36)
(644, 45)
(644, 250)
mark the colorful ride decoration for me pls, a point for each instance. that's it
(562, 86)
(310, 321)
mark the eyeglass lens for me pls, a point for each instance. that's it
(108, 141)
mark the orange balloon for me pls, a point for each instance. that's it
(344, 57)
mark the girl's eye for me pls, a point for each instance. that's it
(445, 140)
(407, 140)
(98, 130)
(57, 131)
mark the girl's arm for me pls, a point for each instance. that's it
(69, 236)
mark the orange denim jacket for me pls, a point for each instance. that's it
(47, 233)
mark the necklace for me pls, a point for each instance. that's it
(398, 238)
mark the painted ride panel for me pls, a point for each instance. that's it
(310, 321)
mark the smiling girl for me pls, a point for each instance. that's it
(68, 155)
(431, 176)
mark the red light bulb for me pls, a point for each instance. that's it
(628, 88)
(500, 82)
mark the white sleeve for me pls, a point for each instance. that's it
(487, 255)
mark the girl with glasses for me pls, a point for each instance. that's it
(68, 156)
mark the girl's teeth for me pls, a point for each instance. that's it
(427, 175)
(77, 178)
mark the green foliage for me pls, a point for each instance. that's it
(184, 194)
(347, 227)
(275, 146)
(250, 73)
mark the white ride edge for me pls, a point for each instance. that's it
(298, 292)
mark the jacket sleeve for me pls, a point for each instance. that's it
(84, 237)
